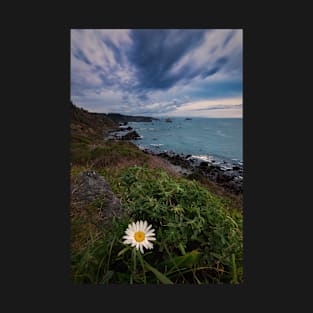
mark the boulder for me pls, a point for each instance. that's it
(132, 135)
(89, 188)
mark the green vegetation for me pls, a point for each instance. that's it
(198, 226)
(198, 240)
(106, 154)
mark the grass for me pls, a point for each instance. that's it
(199, 241)
(198, 225)
(106, 154)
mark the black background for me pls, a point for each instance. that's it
(35, 142)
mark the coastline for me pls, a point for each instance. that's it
(228, 175)
(114, 182)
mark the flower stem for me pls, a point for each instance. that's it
(143, 267)
(134, 263)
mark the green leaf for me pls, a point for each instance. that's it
(108, 275)
(182, 250)
(187, 260)
(161, 277)
(234, 269)
(123, 251)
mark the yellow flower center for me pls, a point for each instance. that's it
(139, 236)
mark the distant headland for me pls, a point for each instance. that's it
(120, 118)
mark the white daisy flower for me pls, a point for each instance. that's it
(139, 235)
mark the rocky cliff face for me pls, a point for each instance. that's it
(99, 125)
(90, 125)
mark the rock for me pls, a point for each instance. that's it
(218, 172)
(235, 187)
(124, 134)
(132, 135)
(90, 187)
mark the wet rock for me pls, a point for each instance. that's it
(132, 135)
(124, 134)
(228, 176)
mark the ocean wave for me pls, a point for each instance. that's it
(156, 144)
(226, 167)
(220, 133)
(206, 158)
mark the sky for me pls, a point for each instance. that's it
(158, 72)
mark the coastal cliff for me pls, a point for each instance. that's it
(93, 126)
(197, 222)
(119, 118)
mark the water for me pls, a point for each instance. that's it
(207, 138)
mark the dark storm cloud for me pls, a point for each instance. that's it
(143, 97)
(117, 51)
(209, 72)
(81, 56)
(136, 70)
(153, 53)
(228, 38)
(215, 68)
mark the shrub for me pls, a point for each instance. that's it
(198, 240)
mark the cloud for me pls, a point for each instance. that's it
(217, 48)
(228, 107)
(221, 107)
(153, 53)
(96, 59)
(154, 70)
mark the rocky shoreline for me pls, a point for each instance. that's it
(123, 133)
(226, 174)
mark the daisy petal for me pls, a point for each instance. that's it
(150, 233)
(149, 237)
(127, 237)
(141, 248)
(129, 232)
(145, 243)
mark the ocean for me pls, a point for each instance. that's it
(209, 139)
